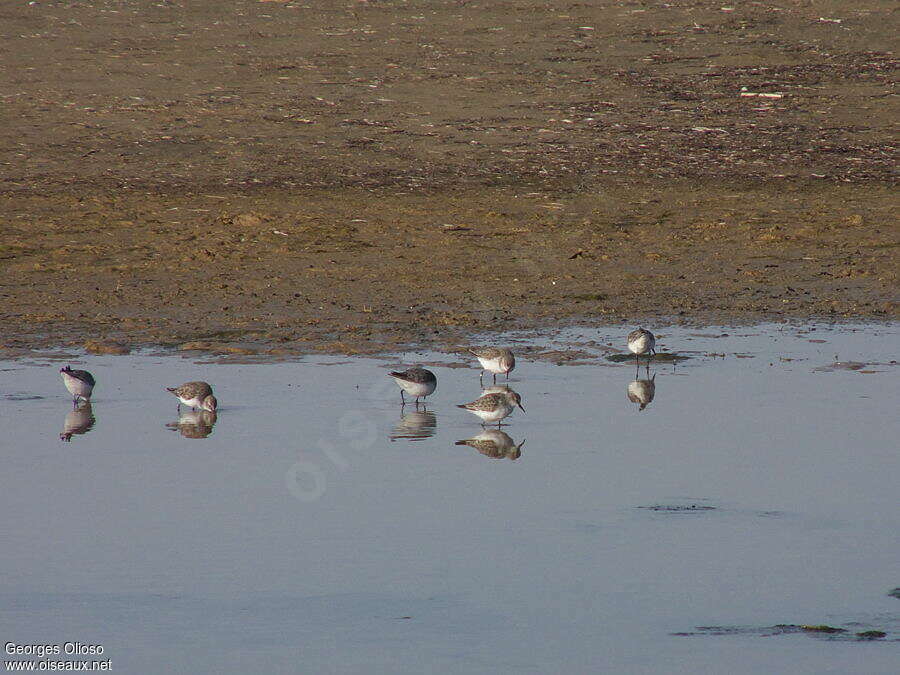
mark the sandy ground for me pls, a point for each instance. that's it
(359, 176)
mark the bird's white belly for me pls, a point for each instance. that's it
(191, 402)
(494, 415)
(639, 346)
(491, 365)
(77, 388)
(417, 388)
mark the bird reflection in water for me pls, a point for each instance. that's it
(415, 425)
(642, 391)
(194, 423)
(80, 420)
(495, 444)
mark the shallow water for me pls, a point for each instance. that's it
(310, 527)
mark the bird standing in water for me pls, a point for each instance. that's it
(494, 407)
(416, 381)
(80, 383)
(195, 395)
(495, 360)
(641, 341)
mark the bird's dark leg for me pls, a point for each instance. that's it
(495, 378)
(481, 377)
(402, 398)
(507, 376)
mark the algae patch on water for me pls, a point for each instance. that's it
(818, 630)
(822, 628)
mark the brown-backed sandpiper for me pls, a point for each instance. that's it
(195, 395)
(495, 360)
(80, 383)
(417, 381)
(494, 407)
(641, 341)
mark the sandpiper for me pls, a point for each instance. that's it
(195, 395)
(642, 391)
(495, 444)
(494, 360)
(494, 407)
(641, 341)
(80, 383)
(417, 381)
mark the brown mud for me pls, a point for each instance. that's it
(360, 176)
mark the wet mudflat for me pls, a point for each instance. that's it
(282, 173)
(314, 526)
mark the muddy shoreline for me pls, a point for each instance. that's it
(415, 173)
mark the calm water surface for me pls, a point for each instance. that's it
(314, 527)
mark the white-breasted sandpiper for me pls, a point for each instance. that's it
(495, 360)
(494, 407)
(416, 381)
(80, 383)
(195, 395)
(640, 342)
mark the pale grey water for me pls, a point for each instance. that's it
(300, 537)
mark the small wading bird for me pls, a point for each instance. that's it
(641, 341)
(417, 381)
(195, 395)
(494, 407)
(80, 383)
(494, 360)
